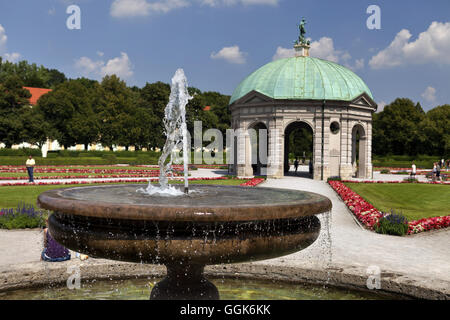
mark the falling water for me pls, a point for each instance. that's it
(176, 133)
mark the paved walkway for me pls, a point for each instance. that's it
(424, 255)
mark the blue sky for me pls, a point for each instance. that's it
(219, 42)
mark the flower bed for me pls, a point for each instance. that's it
(249, 183)
(253, 182)
(368, 215)
(83, 177)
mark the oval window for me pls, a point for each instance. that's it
(334, 127)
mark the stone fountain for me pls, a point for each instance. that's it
(185, 231)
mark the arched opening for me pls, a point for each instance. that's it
(358, 152)
(298, 145)
(259, 140)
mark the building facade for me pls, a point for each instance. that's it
(327, 98)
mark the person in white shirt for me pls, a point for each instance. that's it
(414, 169)
(30, 167)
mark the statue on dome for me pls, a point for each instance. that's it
(302, 38)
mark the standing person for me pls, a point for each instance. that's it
(296, 164)
(413, 170)
(433, 174)
(438, 172)
(30, 167)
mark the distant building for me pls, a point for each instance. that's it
(36, 93)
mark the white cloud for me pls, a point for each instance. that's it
(230, 54)
(429, 94)
(381, 106)
(215, 3)
(12, 57)
(120, 66)
(88, 66)
(432, 45)
(282, 53)
(323, 49)
(136, 8)
(3, 38)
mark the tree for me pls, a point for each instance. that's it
(154, 98)
(31, 75)
(436, 129)
(117, 112)
(70, 109)
(13, 104)
(396, 128)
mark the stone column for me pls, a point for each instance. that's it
(346, 149)
(275, 166)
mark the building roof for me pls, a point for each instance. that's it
(303, 78)
(36, 93)
(207, 108)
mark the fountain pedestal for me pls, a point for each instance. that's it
(211, 225)
(184, 281)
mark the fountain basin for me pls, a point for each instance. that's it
(211, 225)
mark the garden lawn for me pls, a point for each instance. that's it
(415, 201)
(10, 197)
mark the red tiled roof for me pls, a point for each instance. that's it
(36, 93)
(207, 108)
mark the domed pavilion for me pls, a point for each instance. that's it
(322, 97)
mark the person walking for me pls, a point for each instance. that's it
(296, 165)
(30, 168)
(413, 170)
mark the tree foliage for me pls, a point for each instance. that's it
(403, 128)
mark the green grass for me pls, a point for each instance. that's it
(11, 196)
(415, 201)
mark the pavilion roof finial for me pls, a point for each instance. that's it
(302, 45)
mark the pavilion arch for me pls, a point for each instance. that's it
(259, 146)
(290, 127)
(359, 151)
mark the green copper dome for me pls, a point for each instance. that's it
(303, 78)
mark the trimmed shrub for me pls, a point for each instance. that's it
(385, 171)
(23, 152)
(334, 179)
(393, 224)
(110, 158)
